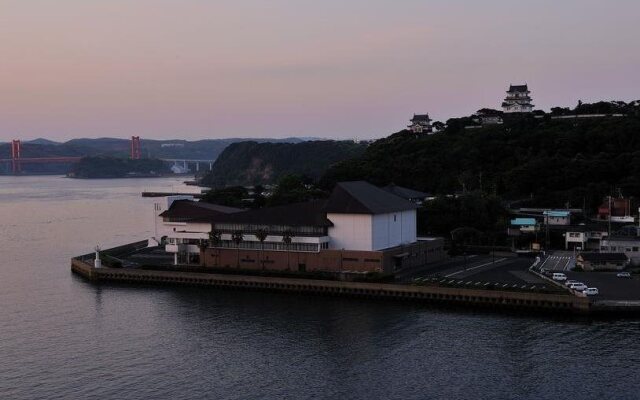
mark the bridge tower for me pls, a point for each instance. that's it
(135, 147)
(16, 148)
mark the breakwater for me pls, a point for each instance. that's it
(431, 294)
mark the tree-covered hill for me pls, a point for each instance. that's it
(252, 163)
(551, 161)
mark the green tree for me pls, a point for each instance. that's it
(287, 238)
(293, 189)
(261, 235)
(237, 238)
(230, 197)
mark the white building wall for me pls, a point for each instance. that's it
(409, 226)
(350, 231)
(185, 230)
(394, 229)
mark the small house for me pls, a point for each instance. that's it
(602, 261)
(557, 217)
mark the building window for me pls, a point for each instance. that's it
(349, 259)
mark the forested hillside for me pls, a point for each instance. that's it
(252, 163)
(550, 161)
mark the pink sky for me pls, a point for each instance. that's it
(339, 69)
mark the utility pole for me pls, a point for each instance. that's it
(546, 233)
(609, 223)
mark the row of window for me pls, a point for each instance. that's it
(183, 241)
(272, 229)
(308, 247)
(357, 259)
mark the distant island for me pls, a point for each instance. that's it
(112, 167)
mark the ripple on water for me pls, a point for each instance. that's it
(61, 337)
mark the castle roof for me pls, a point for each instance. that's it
(518, 88)
(420, 118)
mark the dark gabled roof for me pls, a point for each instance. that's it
(488, 112)
(196, 210)
(518, 88)
(361, 197)
(420, 118)
(405, 193)
(310, 213)
(591, 227)
(622, 238)
(603, 256)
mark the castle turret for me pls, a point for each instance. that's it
(420, 123)
(517, 100)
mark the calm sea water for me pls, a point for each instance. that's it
(63, 338)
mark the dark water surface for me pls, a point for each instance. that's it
(63, 338)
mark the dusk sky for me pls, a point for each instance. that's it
(273, 68)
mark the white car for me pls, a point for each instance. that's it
(623, 275)
(578, 286)
(571, 282)
(557, 276)
(591, 291)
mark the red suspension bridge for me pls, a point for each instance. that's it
(17, 161)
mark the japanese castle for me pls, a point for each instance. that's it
(517, 100)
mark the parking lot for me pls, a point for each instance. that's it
(609, 285)
(480, 271)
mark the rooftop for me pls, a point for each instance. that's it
(196, 210)
(518, 88)
(420, 118)
(622, 239)
(557, 213)
(603, 256)
(310, 213)
(523, 221)
(360, 197)
(405, 193)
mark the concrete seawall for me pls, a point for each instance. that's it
(433, 294)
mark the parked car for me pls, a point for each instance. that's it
(625, 275)
(558, 276)
(570, 281)
(591, 291)
(578, 286)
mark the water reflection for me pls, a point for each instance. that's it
(63, 337)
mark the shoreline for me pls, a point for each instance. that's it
(550, 303)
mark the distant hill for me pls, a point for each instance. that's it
(251, 163)
(43, 141)
(208, 149)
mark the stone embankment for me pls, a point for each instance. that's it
(528, 301)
